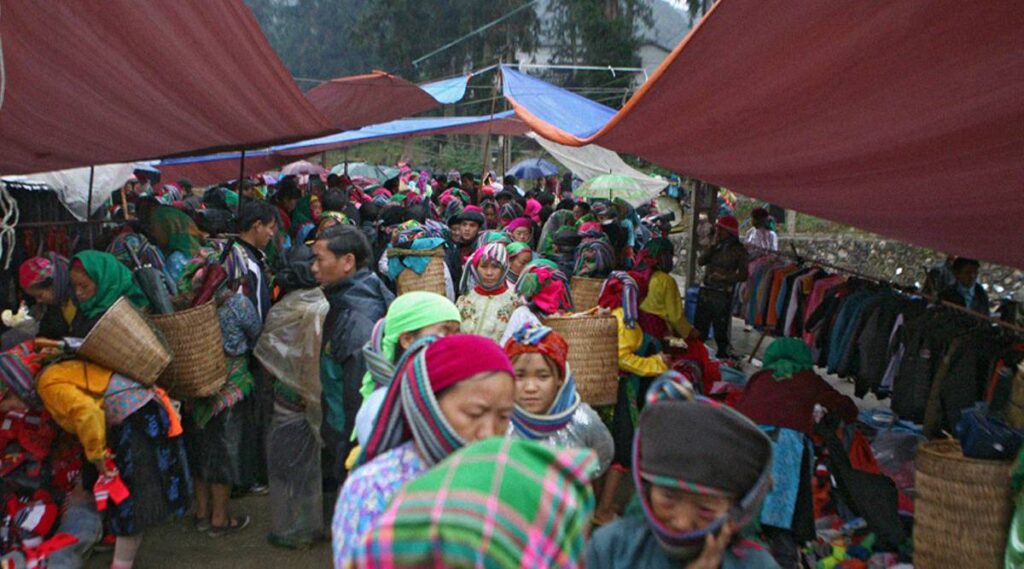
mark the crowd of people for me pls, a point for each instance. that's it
(418, 429)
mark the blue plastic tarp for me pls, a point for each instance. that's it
(564, 110)
(447, 91)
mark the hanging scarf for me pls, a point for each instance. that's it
(410, 409)
(598, 263)
(697, 445)
(536, 339)
(786, 356)
(544, 287)
(50, 269)
(409, 312)
(499, 503)
(113, 280)
(494, 253)
(621, 290)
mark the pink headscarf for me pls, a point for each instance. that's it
(517, 223)
(533, 208)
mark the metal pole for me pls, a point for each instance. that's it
(691, 250)
(241, 179)
(88, 205)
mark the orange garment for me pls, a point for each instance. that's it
(772, 318)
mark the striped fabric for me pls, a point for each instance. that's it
(672, 386)
(492, 252)
(499, 503)
(378, 364)
(411, 409)
(543, 340)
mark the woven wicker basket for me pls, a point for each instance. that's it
(124, 341)
(199, 367)
(962, 508)
(585, 292)
(593, 354)
(432, 279)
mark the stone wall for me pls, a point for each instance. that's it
(877, 257)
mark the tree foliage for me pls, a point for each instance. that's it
(598, 32)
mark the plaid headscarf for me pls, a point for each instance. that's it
(410, 409)
(544, 288)
(492, 252)
(621, 289)
(536, 339)
(695, 444)
(499, 503)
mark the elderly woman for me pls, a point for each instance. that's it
(439, 401)
(548, 407)
(701, 472)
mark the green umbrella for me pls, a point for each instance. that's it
(610, 186)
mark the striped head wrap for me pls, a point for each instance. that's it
(492, 237)
(594, 258)
(50, 269)
(498, 503)
(544, 288)
(493, 253)
(409, 312)
(534, 338)
(697, 445)
(621, 290)
(411, 410)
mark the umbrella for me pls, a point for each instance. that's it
(610, 186)
(301, 168)
(533, 168)
(364, 170)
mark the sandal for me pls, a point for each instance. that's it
(201, 524)
(235, 525)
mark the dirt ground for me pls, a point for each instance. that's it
(178, 545)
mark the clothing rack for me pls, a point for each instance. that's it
(903, 289)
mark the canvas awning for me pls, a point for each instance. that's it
(901, 118)
(91, 82)
(353, 102)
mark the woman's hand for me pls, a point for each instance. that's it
(714, 547)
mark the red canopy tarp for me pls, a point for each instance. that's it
(354, 102)
(217, 168)
(102, 81)
(902, 118)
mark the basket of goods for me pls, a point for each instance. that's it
(124, 341)
(422, 269)
(593, 353)
(199, 367)
(962, 508)
(585, 292)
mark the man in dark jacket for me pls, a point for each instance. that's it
(726, 263)
(357, 298)
(966, 291)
